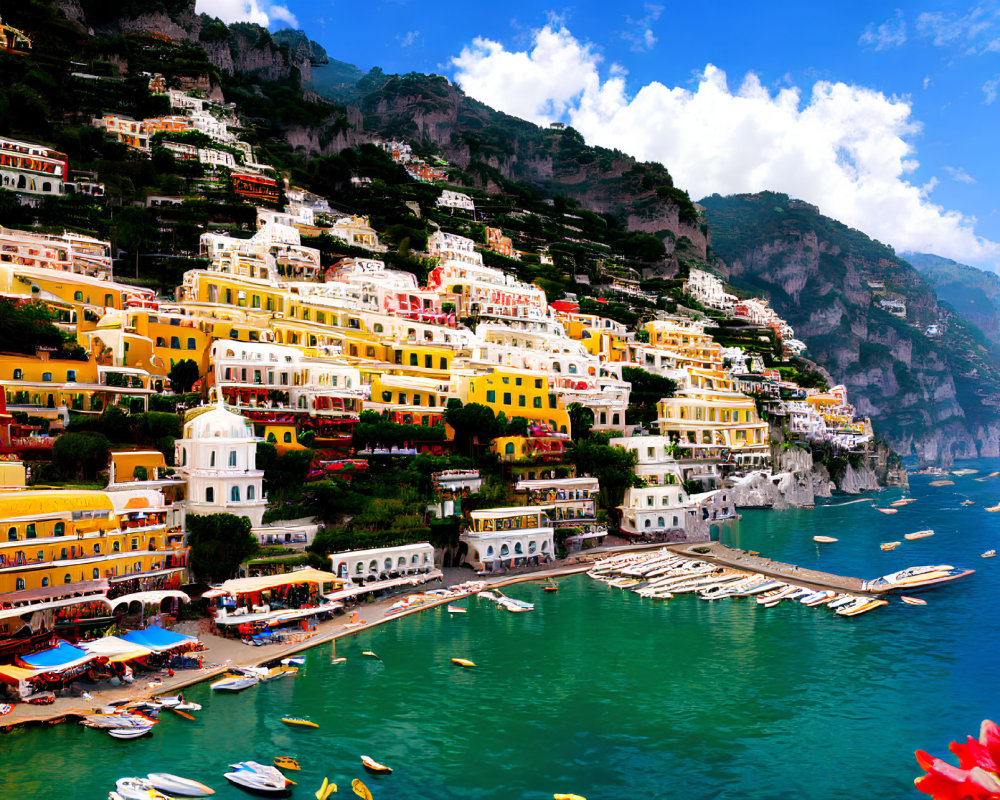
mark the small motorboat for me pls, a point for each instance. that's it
(258, 778)
(370, 654)
(903, 502)
(294, 661)
(913, 601)
(233, 683)
(918, 535)
(823, 539)
(133, 732)
(967, 503)
(993, 509)
(338, 660)
(187, 707)
(137, 789)
(456, 609)
(561, 796)
(361, 790)
(176, 786)
(887, 546)
(989, 554)
(286, 762)
(305, 723)
(462, 662)
(887, 510)
(374, 767)
(551, 586)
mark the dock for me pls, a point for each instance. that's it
(734, 558)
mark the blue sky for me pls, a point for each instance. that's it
(884, 115)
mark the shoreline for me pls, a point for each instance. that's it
(66, 709)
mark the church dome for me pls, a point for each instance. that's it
(216, 422)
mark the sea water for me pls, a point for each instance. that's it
(604, 694)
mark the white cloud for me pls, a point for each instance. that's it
(959, 174)
(847, 149)
(973, 33)
(990, 89)
(891, 33)
(408, 39)
(262, 12)
(927, 81)
(641, 32)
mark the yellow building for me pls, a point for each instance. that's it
(517, 393)
(711, 418)
(42, 382)
(57, 536)
(282, 436)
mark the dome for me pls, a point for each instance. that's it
(216, 422)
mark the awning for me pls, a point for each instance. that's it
(52, 592)
(259, 584)
(159, 640)
(138, 576)
(14, 675)
(213, 593)
(8, 613)
(149, 597)
(59, 658)
(275, 617)
(410, 580)
(115, 649)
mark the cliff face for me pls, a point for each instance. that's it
(932, 396)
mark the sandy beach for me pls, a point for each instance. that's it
(222, 653)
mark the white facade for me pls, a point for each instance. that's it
(450, 199)
(383, 562)
(216, 158)
(502, 538)
(218, 456)
(708, 290)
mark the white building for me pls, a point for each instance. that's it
(218, 456)
(383, 562)
(450, 487)
(502, 538)
(450, 199)
(573, 500)
(708, 290)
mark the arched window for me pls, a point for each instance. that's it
(271, 438)
(18, 374)
(517, 548)
(175, 343)
(12, 534)
(59, 528)
(234, 494)
(232, 458)
(251, 492)
(659, 522)
(96, 573)
(648, 523)
(67, 578)
(78, 297)
(45, 582)
(509, 449)
(161, 342)
(116, 547)
(572, 369)
(287, 437)
(209, 494)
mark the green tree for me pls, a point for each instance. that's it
(581, 420)
(81, 455)
(612, 466)
(219, 544)
(474, 424)
(647, 390)
(183, 375)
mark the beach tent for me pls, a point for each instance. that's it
(238, 586)
(14, 675)
(60, 658)
(159, 640)
(115, 649)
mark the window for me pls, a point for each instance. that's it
(509, 449)
(116, 547)
(234, 494)
(97, 549)
(45, 582)
(413, 359)
(19, 584)
(59, 529)
(232, 458)
(184, 456)
(517, 381)
(521, 400)
(209, 495)
(287, 438)
(659, 522)
(71, 376)
(46, 376)
(135, 543)
(271, 438)
(536, 402)
(78, 297)
(96, 573)
(251, 492)
(12, 534)
(552, 401)
(63, 553)
(18, 374)
(29, 532)
(491, 396)
(538, 383)
(572, 369)
(402, 398)
(399, 356)
(191, 343)
(211, 459)
(444, 363)
(506, 398)
(175, 343)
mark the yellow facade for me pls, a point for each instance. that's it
(54, 537)
(517, 394)
(48, 382)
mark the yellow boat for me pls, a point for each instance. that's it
(305, 723)
(285, 762)
(567, 797)
(370, 654)
(890, 545)
(462, 662)
(374, 767)
(326, 789)
(361, 790)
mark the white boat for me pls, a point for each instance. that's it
(233, 683)
(177, 786)
(130, 733)
(842, 601)
(137, 789)
(294, 661)
(456, 609)
(259, 778)
(818, 598)
(989, 554)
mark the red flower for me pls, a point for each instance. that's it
(977, 776)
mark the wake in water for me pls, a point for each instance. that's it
(848, 503)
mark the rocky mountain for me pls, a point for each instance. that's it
(866, 316)
(973, 293)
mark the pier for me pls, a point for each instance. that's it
(733, 557)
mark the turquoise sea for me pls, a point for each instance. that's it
(604, 694)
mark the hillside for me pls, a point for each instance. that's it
(933, 396)
(973, 293)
